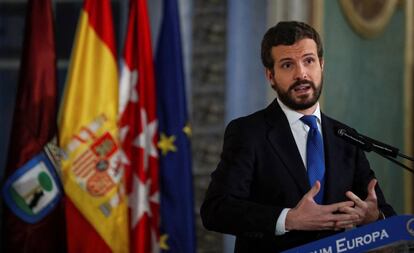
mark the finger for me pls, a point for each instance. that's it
(358, 202)
(358, 212)
(350, 210)
(344, 223)
(345, 217)
(371, 188)
(327, 225)
(337, 206)
(346, 209)
(314, 190)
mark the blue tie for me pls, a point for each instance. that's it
(314, 155)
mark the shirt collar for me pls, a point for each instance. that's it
(294, 116)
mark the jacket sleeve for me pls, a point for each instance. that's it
(227, 207)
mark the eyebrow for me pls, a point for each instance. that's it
(303, 56)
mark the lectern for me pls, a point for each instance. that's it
(392, 235)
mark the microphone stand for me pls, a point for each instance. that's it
(406, 157)
(398, 162)
(386, 151)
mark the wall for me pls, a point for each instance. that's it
(364, 84)
(208, 104)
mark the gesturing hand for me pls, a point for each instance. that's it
(366, 210)
(308, 215)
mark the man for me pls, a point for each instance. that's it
(285, 178)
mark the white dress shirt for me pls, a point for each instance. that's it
(300, 133)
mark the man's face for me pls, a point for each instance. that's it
(297, 74)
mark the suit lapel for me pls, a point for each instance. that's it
(281, 138)
(333, 175)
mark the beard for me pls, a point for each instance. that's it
(302, 102)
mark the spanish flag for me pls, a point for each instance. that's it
(92, 176)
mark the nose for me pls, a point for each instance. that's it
(301, 72)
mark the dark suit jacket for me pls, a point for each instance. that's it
(261, 172)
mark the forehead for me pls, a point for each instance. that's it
(297, 50)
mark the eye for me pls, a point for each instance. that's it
(309, 60)
(286, 65)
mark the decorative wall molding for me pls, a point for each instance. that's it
(408, 102)
(368, 17)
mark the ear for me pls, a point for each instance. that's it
(321, 62)
(269, 75)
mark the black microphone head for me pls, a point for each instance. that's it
(351, 136)
(341, 132)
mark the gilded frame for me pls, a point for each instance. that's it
(368, 28)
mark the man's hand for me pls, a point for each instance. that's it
(308, 215)
(367, 211)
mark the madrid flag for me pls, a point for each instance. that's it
(139, 131)
(34, 125)
(92, 175)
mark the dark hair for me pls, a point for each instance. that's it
(287, 33)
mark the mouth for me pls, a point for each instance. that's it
(302, 88)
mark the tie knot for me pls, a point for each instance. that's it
(310, 120)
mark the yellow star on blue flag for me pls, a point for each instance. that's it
(163, 242)
(166, 144)
(187, 130)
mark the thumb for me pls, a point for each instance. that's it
(314, 190)
(371, 188)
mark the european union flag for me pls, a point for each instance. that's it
(177, 215)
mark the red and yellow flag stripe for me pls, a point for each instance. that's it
(88, 135)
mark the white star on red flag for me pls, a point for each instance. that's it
(127, 88)
(145, 139)
(140, 198)
(123, 158)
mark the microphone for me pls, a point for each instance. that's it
(366, 143)
(382, 148)
(354, 138)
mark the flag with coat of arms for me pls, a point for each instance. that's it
(92, 174)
